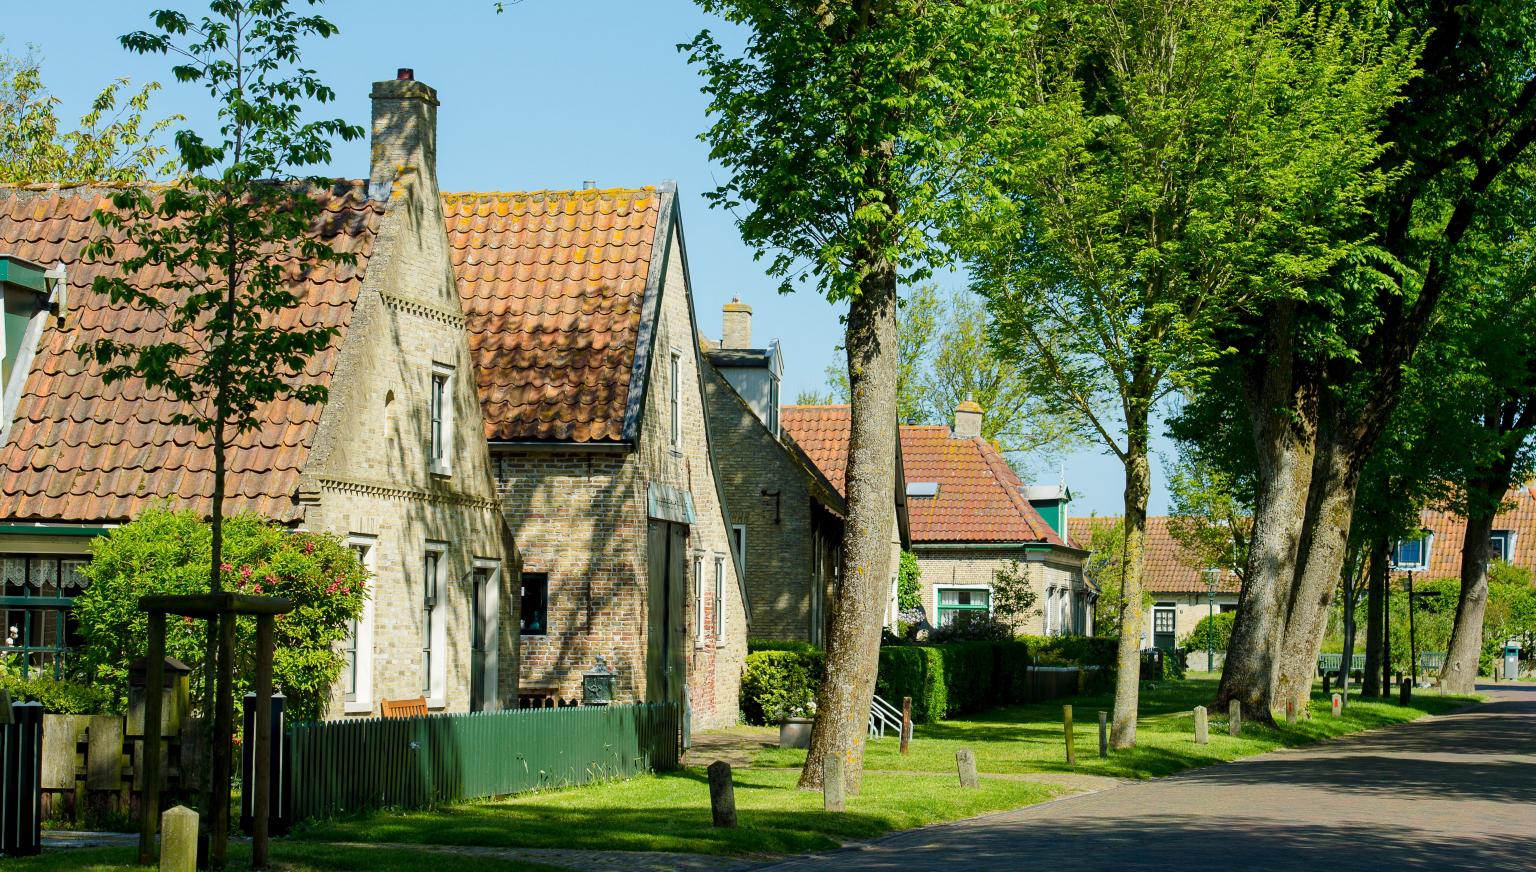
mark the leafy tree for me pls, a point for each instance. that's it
(1170, 165)
(113, 143)
(917, 321)
(1013, 595)
(842, 126)
(1209, 519)
(225, 239)
(163, 552)
(909, 583)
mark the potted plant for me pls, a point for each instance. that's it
(795, 722)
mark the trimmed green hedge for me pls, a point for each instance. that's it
(1074, 650)
(776, 684)
(60, 697)
(960, 677)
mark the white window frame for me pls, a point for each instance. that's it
(1047, 611)
(1509, 543)
(492, 584)
(440, 434)
(1426, 549)
(1173, 610)
(938, 596)
(675, 401)
(434, 627)
(719, 599)
(698, 599)
(1064, 612)
(361, 697)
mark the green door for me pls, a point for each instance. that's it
(666, 654)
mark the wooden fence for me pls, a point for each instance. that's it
(345, 766)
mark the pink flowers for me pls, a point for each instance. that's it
(309, 547)
(226, 567)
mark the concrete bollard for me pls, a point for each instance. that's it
(965, 761)
(722, 795)
(834, 784)
(178, 840)
(1290, 711)
(1338, 704)
(1202, 726)
(1234, 717)
(1066, 725)
(1103, 735)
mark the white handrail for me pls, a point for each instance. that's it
(883, 715)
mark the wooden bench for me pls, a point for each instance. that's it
(403, 708)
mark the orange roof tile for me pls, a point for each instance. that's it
(83, 450)
(979, 499)
(1450, 532)
(552, 284)
(1169, 567)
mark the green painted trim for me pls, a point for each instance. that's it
(51, 530)
(38, 602)
(18, 272)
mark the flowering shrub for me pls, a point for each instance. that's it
(167, 552)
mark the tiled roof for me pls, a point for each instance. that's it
(979, 497)
(81, 450)
(1169, 567)
(1451, 529)
(552, 284)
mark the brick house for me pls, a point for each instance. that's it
(590, 378)
(394, 462)
(1179, 586)
(972, 518)
(786, 516)
(822, 434)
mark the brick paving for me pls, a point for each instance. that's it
(1453, 792)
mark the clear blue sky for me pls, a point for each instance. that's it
(547, 95)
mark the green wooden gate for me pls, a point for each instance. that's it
(340, 767)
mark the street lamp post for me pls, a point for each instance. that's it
(1211, 576)
(1413, 642)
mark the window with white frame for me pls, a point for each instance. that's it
(698, 598)
(1064, 612)
(962, 604)
(1048, 613)
(675, 404)
(357, 673)
(1501, 545)
(440, 411)
(433, 623)
(1413, 554)
(719, 598)
(1164, 626)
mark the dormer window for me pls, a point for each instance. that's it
(1413, 554)
(29, 289)
(922, 489)
(1501, 545)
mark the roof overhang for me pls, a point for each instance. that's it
(550, 445)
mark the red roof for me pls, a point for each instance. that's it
(1450, 532)
(979, 498)
(1169, 568)
(552, 284)
(82, 450)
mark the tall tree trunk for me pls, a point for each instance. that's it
(222, 663)
(1138, 483)
(1375, 617)
(1319, 565)
(1282, 406)
(853, 643)
(1463, 655)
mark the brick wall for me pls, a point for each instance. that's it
(978, 567)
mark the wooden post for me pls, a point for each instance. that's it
(178, 845)
(1327, 686)
(261, 753)
(1202, 726)
(1234, 717)
(1290, 711)
(1405, 691)
(223, 732)
(1066, 726)
(149, 799)
(722, 796)
(834, 785)
(906, 722)
(1103, 735)
(965, 761)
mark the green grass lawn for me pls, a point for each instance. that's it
(287, 856)
(670, 812)
(1030, 738)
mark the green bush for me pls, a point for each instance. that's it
(779, 684)
(955, 678)
(755, 645)
(916, 671)
(1099, 651)
(58, 696)
(168, 552)
(1213, 629)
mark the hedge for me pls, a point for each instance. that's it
(779, 683)
(960, 677)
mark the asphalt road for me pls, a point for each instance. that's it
(1453, 792)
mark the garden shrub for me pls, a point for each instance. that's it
(916, 671)
(972, 627)
(58, 696)
(755, 645)
(167, 552)
(1074, 650)
(1215, 629)
(955, 678)
(778, 684)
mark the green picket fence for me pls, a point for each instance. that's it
(339, 767)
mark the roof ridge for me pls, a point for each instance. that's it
(588, 193)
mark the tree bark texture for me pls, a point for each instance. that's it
(1282, 405)
(853, 643)
(1138, 482)
(1463, 655)
(1375, 617)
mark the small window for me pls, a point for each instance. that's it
(356, 678)
(963, 604)
(535, 604)
(739, 542)
(719, 597)
(1163, 627)
(431, 629)
(441, 425)
(1501, 545)
(773, 406)
(1413, 554)
(698, 597)
(675, 383)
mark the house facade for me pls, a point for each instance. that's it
(1437, 552)
(590, 380)
(972, 519)
(786, 517)
(394, 462)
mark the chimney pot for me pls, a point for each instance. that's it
(736, 324)
(405, 74)
(968, 419)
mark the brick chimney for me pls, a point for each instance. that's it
(736, 325)
(968, 419)
(404, 134)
